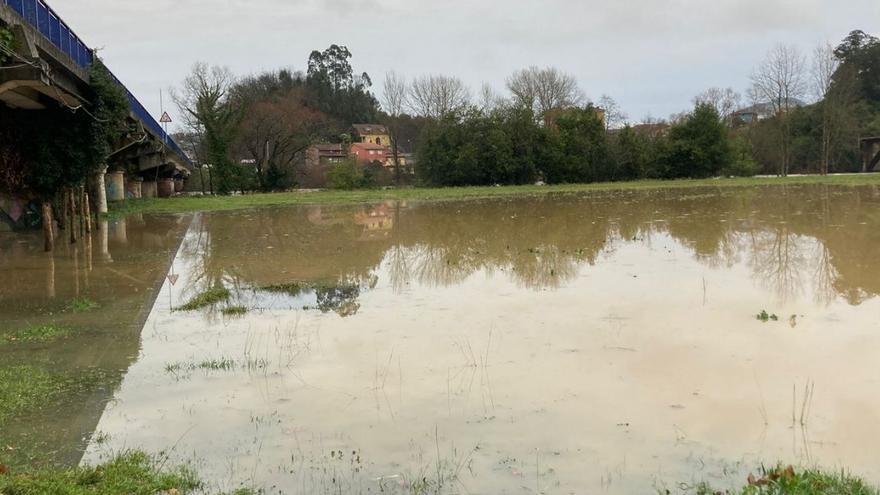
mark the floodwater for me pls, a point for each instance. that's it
(593, 343)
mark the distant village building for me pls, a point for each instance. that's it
(324, 154)
(652, 130)
(372, 134)
(371, 145)
(366, 153)
(758, 112)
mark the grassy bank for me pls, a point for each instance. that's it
(330, 197)
(789, 481)
(137, 473)
(132, 473)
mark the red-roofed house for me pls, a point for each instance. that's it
(367, 153)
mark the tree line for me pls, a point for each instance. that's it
(802, 114)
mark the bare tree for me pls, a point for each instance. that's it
(780, 81)
(394, 100)
(209, 112)
(275, 132)
(436, 96)
(614, 115)
(825, 65)
(489, 99)
(725, 101)
(544, 90)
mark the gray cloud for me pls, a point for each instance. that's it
(652, 55)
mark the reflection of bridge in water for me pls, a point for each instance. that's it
(120, 267)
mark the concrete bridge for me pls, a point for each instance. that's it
(49, 66)
(870, 154)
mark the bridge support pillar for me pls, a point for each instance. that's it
(116, 186)
(166, 188)
(133, 187)
(149, 190)
(101, 192)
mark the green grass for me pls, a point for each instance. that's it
(234, 310)
(329, 197)
(35, 334)
(131, 473)
(82, 304)
(208, 298)
(788, 481)
(26, 388)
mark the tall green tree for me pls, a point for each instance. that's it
(336, 88)
(697, 147)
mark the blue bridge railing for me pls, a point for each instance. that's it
(41, 17)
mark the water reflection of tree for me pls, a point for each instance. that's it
(779, 261)
(788, 236)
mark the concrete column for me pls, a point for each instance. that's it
(148, 189)
(116, 186)
(165, 188)
(178, 185)
(101, 192)
(104, 237)
(133, 187)
(119, 231)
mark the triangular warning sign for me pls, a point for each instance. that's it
(165, 118)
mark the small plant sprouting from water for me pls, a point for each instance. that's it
(764, 316)
(292, 289)
(35, 334)
(208, 298)
(234, 311)
(82, 305)
(180, 369)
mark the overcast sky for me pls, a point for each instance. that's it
(652, 56)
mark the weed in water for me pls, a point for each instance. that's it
(208, 298)
(81, 305)
(234, 311)
(41, 333)
(209, 365)
(292, 289)
(764, 316)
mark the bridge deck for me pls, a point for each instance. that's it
(49, 24)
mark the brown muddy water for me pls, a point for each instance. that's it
(599, 343)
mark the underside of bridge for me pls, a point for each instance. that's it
(47, 67)
(870, 154)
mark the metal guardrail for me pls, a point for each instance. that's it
(41, 17)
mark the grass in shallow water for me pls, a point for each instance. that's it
(34, 334)
(234, 310)
(82, 305)
(26, 388)
(208, 298)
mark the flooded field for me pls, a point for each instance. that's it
(602, 343)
